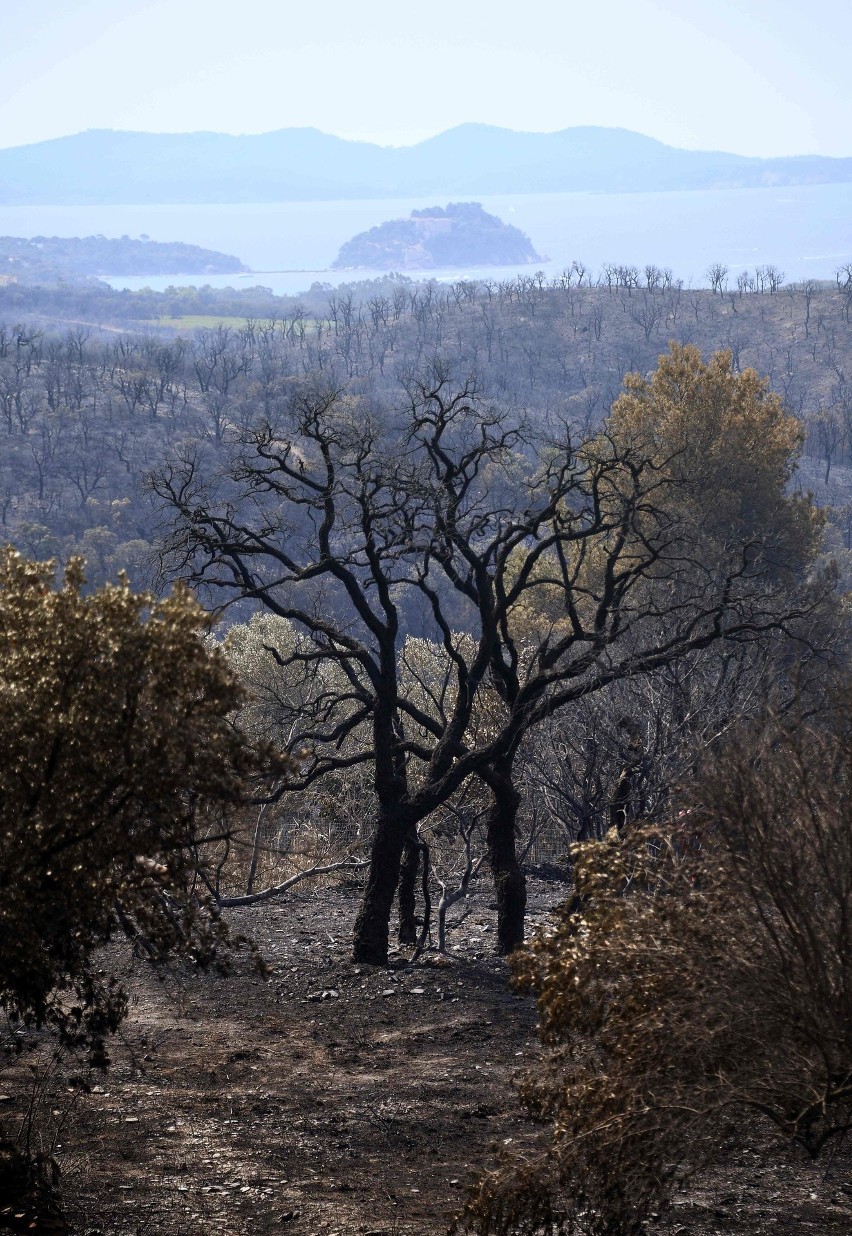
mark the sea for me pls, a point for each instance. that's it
(805, 231)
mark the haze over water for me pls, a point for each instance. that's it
(804, 230)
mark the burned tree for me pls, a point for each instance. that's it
(543, 566)
(575, 565)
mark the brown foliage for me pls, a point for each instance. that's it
(116, 738)
(700, 978)
(729, 445)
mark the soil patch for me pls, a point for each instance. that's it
(332, 1098)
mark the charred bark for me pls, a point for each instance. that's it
(510, 883)
(406, 894)
(372, 926)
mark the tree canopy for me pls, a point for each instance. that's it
(727, 441)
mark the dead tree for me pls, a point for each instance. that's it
(544, 568)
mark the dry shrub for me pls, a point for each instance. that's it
(117, 749)
(699, 979)
(116, 743)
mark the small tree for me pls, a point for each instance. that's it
(699, 979)
(716, 275)
(116, 737)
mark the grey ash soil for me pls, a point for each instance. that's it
(248, 1105)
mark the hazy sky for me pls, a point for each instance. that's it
(751, 76)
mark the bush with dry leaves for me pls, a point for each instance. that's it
(700, 979)
(116, 737)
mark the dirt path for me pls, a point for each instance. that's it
(332, 1098)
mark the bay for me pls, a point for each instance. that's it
(804, 230)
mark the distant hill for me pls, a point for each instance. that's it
(460, 234)
(103, 166)
(51, 257)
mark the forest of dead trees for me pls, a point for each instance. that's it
(85, 413)
(499, 570)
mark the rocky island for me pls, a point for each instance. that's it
(40, 259)
(460, 234)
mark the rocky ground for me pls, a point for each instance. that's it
(334, 1099)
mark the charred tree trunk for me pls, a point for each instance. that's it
(510, 884)
(406, 895)
(396, 823)
(372, 926)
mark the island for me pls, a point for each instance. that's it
(47, 258)
(460, 234)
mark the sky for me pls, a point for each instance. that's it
(754, 77)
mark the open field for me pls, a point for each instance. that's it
(201, 321)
